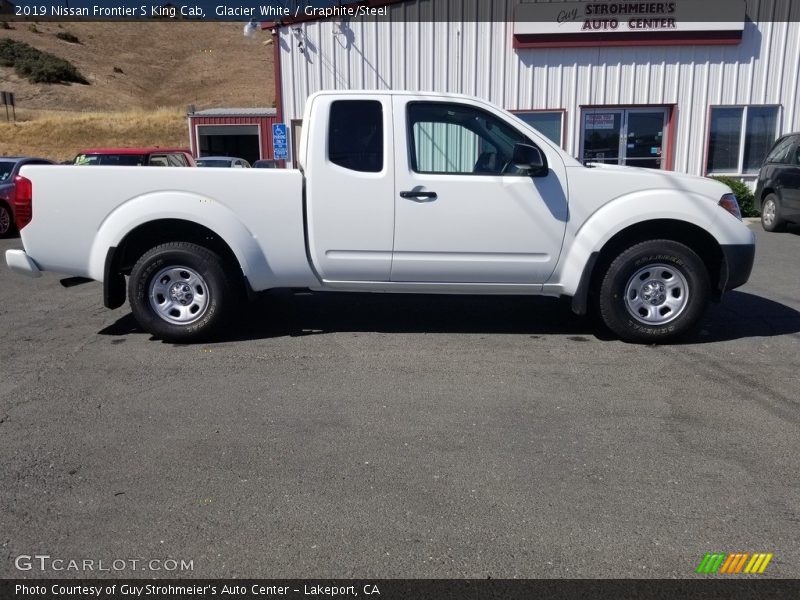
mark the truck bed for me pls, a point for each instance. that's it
(259, 213)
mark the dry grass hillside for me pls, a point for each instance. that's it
(61, 135)
(164, 67)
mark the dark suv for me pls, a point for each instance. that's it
(778, 189)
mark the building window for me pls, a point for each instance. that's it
(740, 137)
(550, 123)
(355, 136)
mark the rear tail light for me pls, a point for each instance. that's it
(729, 203)
(23, 201)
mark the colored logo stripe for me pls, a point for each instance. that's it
(758, 563)
(734, 563)
(711, 563)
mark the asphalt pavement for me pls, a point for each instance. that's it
(355, 435)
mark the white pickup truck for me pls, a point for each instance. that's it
(396, 192)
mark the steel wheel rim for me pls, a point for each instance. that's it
(656, 294)
(769, 212)
(179, 295)
(5, 220)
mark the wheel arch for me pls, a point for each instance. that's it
(155, 218)
(689, 234)
(120, 259)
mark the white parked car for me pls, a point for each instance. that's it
(396, 192)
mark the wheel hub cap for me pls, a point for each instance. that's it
(181, 292)
(656, 294)
(769, 213)
(179, 295)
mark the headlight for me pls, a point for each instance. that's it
(729, 203)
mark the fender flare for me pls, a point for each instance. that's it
(577, 267)
(183, 206)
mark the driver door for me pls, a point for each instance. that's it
(461, 214)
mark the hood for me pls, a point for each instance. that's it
(657, 178)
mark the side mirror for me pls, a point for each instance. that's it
(530, 159)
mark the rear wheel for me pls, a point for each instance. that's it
(181, 292)
(654, 292)
(6, 224)
(771, 219)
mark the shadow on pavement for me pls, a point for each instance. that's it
(283, 313)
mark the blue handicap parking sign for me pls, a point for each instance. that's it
(280, 145)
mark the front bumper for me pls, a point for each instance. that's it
(21, 263)
(739, 260)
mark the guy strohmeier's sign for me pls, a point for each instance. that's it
(618, 23)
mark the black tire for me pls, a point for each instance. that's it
(654, 292)
(193, 280)
(7, 228)
(771, 214)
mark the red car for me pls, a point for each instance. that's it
(136, 157)
(9, 169)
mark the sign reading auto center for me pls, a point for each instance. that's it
(595, 22)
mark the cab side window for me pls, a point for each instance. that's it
(460, 139)
(355, 135)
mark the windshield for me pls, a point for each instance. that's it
(5, 171)
(120, 160)
(203, 162)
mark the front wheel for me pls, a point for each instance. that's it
(654, 292)
(180, 292)
(771, 219)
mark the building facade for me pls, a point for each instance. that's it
(241, 132)
(709, 99)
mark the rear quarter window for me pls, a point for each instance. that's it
(355, 135)
(781, 151)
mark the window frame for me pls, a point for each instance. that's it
(412, 148)
(742, 137)
(561, 111)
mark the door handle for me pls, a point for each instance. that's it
(419, 196)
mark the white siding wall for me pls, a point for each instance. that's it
(478, 58)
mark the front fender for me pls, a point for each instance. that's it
(185, 206)
(626, 211)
